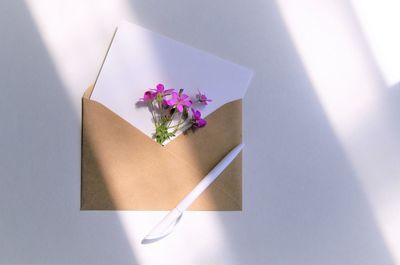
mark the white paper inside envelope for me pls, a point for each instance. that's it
(139, 59)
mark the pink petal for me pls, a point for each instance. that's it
(148, 95)
(196, 114)
(187, 103)
(180, 108)
(170, 102)
(201, 123)
(160, 87)
(175, 96)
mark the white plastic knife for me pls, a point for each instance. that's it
(166, 226)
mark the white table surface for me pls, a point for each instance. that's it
(319, 188)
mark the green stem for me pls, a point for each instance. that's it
(181, 121)
(172, 118)
(174, 126)
(160, 108)
(152, 113)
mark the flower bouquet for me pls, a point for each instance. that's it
(170, 111)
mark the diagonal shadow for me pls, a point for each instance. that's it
(303, 203)
(320, 201)
(393, 97)
(39, 166)
(388, 95)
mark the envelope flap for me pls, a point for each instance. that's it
(124, 169)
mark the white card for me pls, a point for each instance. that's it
(139, 59)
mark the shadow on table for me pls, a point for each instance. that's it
(40, 173)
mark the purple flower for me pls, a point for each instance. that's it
(161, 91)
(202, 98)
(148, 96)
(179, 101)
(197, 120)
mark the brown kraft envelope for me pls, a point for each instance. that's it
(124, 169)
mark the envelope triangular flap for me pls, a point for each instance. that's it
(123, 169)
